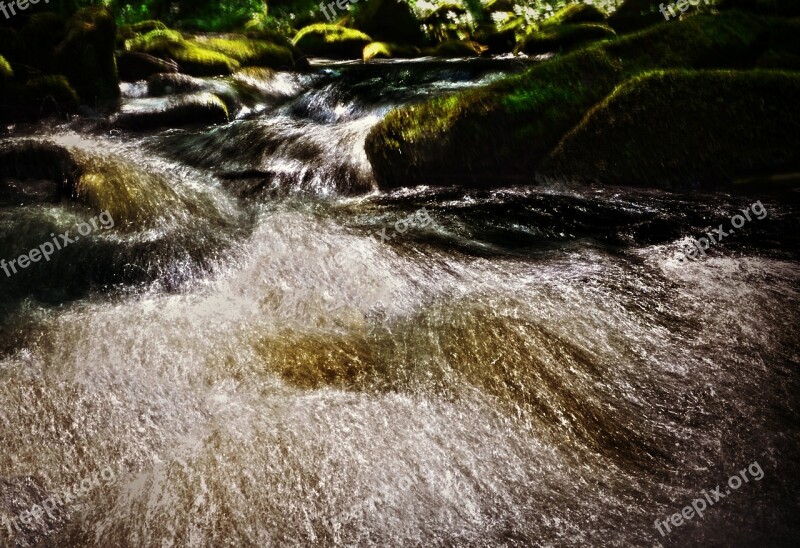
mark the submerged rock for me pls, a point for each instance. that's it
(331, 41)
(177, 111)
(135, 66)
(30, 164)
(686, 127)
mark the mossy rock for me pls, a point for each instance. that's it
(635, 15)
(178, 111)
(128, 32)
(333, 41)
(86, 56)
(6, 73)
(383, 50)
(388, 21)
(190, 56)
(38, 98)
(576, 13)
(500, 133)
(134, 66)
(781, 8)
(458, 48)
(39, 39)
(249, 52)
(686, 128)
(563, 37)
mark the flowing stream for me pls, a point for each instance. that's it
(265, 350)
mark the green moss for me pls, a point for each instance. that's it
(377, 50)
(250, 52)
(500, 133)
(6, 73)
(333, 41)
(563, 37)
(192, 57)
(686, 127)
(86, 56)
(128, 32)
(634, 15)
(576, 13)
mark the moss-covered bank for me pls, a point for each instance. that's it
(502, 133)
(679, 127)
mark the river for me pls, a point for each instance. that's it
(266, 350)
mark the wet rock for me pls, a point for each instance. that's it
(40, 97)
(36, 171)
(25, 495)
(178, 111)
(135, 66)
(160, 85)
(331, 41)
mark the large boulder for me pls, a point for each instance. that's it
(686, 128)
(175, 111)
(635, 15)
(576, 13)
(191, 58)
(389, 21)
(458, 48)
(134, 66)
(500, 133)
(383, 50)
(563, 37)
(86, 56)
(332, 41)
(37, 98)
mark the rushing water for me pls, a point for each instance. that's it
(266, 351)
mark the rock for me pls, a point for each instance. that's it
(563, 37)
(635, 15)
(128, 32)
(250, 53)
(459, 48)
(31, 160)
(176, 111)
(160, 85)
(191, 58)
(781, 8)
(503, 39)
(388, 21)
(37, 98)
(5, 70)
(86, 56)
(500, 133)
(38, 40)
(682, 128)
(576, 13)
(134, 66)
(331, 41)
(382, 50)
